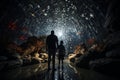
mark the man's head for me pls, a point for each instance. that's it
(52, 32)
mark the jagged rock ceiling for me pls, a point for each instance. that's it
(74, 21)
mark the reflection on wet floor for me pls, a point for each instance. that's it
(40, 72)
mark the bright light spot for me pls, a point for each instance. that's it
(86, 18)
(91, 15)
(43, 10)
(32, 14)
(45, 14)
(60, 33)
(48, 7)
(38, 6)
(82, 15)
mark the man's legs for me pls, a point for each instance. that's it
(62, 64)
(59, 62)
(49, 60)
(53, 61)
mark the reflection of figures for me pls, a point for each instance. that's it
(60, 75)
(61, 53)
(51, 47)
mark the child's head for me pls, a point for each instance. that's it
(61, 42)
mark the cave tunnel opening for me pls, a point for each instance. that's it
(25, 24)
(73, 21)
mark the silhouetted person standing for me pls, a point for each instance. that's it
(51, 47)
(61, 53)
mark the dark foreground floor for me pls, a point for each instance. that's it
(39, 72)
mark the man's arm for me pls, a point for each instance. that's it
(47, 44)
(57, 41)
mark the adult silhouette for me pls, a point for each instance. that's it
(51, 47)
(61, 53)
